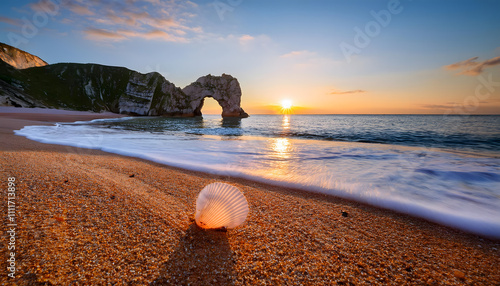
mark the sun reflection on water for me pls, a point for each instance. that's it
(286, 122)
(280, 158)
(280, 153)
(281, 147)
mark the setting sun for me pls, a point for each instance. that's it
(286, 106)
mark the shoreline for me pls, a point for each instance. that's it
(85, 206)
(471, 219)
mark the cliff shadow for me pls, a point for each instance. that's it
(203, 257)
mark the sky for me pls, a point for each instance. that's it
(326, 57)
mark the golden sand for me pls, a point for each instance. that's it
(89, 217)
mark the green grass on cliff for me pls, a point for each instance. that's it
(70, 85)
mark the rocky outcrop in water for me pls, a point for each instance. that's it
(224, 89)
(19, 59)
(117, 89)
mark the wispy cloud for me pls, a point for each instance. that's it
(79, 9)
(295, 54)
(472, 67)
(113, 20)
(467, 63)
(100, 34)
(45, 6)
(15, 22)
(455, 105)
(438, 106)
(192, 4)
(347, 91)
(245, 39)
(154, 34)
(246, 42)
(121, 34)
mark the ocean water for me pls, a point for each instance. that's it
(442, 168)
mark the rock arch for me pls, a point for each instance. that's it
(224, 89)
(198, 109)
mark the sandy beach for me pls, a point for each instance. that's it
(87, 217)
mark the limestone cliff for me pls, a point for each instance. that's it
(18, 58)
(224, 89)
(117, 89)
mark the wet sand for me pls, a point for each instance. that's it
(91, 217)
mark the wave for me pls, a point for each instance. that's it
(462, 176)
(463, 141)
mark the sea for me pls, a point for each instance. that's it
(443, 168)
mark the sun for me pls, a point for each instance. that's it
(286, 104)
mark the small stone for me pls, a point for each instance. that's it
(344, 214)
(459, 274)
(131, 175)
(112, 197)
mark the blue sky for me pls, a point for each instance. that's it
(402, 62)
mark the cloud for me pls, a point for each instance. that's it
(100, 34)
(10, 21)
(155, 34)
(466, 63)
(44, 6)
(114, 20)
(122, 34)
(347, 91)
(437, 106)
(180, 32)
(246, 42)
(472, 67)
(245, 39)
(78, 9)
(127, 18)
(164, 23)
(295, 54)
(459, 106)
(192, 4)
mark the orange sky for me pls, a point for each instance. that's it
(439, 91)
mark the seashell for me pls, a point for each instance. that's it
(220, 205)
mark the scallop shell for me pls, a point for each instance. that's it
(220, 205)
